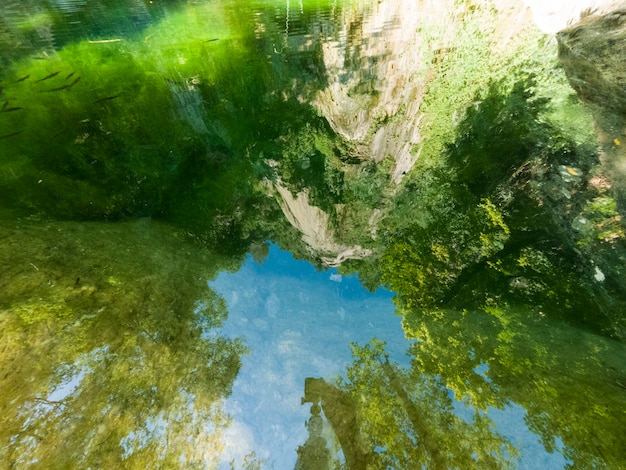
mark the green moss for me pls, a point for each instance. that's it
(37, 312)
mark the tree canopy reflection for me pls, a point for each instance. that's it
(115, 363)
(478, 361)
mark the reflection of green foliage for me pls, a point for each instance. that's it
(409, 418)
(496, 356)
(465, 59)
(498, 136)
(425, 263)
(489, 132)
(602, 220)
(602, 207)
(535, 260)
(490, 225)
(122, 312)
(460, 67)
(368, 186)
(310, 160)
(496, 231)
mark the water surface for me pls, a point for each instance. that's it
(302, 235)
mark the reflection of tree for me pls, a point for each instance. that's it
(341, 410)
(493, 229)
(566, 380)
(107, 358)
(386, 417)
(495, 222)
(486, 361)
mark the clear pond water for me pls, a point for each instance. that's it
(302, 235)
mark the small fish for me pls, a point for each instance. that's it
(617, 142)
(212, 40)
(6, 136)
(64, 87)
(25, 77)
(106, 99)
(5, 105)
(70, 74)
(58, 88)
(8, 110)
(58, 134)
(571, 171)
(54, 74)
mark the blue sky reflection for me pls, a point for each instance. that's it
(298, 322)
